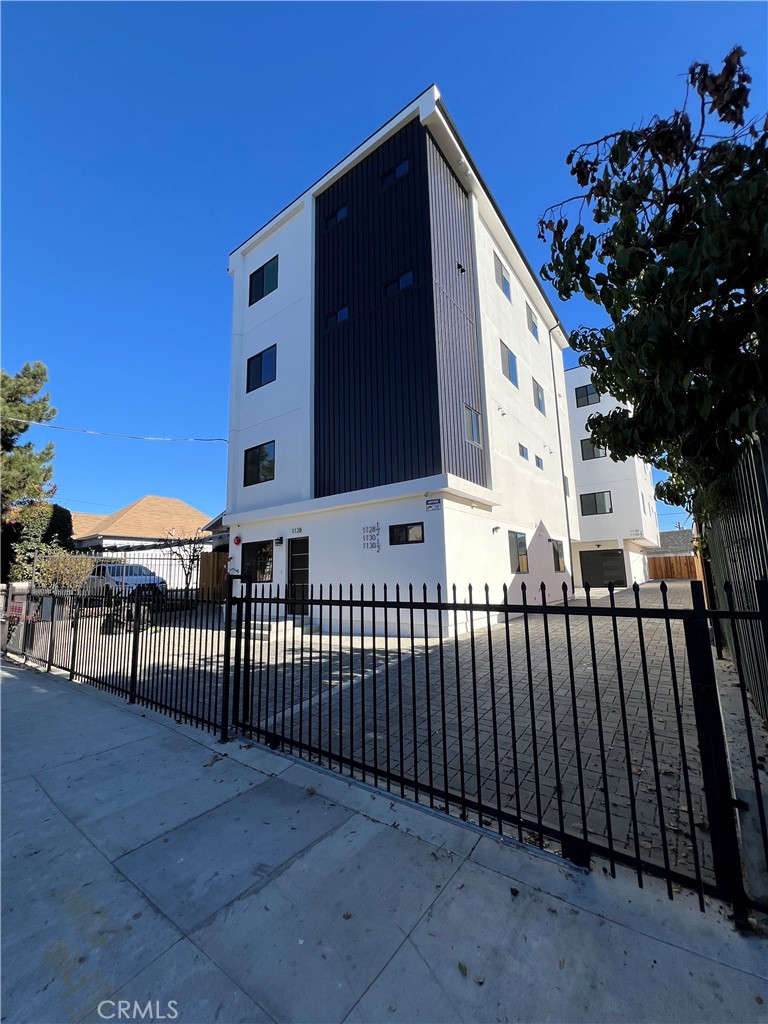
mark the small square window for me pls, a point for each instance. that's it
(539, 462)
(591, 451)
(558, 554)
(533, 323)
(262, 281)
(337, 317)
(261, 369)
(598, 503)
(586, 395)
(523, 451)
(406, 533)
(259, 464)
(518, 552)
(502, 277)
(473, 425)
(337, 216)
(394, 173)
(398, 284)
(538, 397)
(509, 364)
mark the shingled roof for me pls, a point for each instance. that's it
(149, 518)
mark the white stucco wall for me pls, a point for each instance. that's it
(282, 410)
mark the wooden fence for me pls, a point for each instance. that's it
(213, 573)
(674, 567)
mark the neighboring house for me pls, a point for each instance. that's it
(617, 508)
(673, 543)
(398, 403)
(150, 531)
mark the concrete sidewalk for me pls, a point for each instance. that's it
(143, 862)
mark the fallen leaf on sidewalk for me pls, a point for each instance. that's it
(479, 981)
(346, 915)
(311, 791)
(214, 759)
(462, 969)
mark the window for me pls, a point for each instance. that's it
(394, 173)
(502, 277)
(262, 281)
(586, 395)
(473, 426)
(539, 462)
(509, 364)
(566, 487)
(337, 216)
(337, 317)
(596, 504)
(518, 552)
(523, 451)
(538, 397)
(257, 561)
(261, 369)
(558, 555)
(259, 464)
(533, 323)
(407, 533)
(592, 451)
(398, 284)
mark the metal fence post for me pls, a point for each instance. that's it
(135, 645)
(761, 588)
(75, 630)
(52, 637)
(227, 658)
(715, 770)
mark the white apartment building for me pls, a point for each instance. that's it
(398, 402)
(616, 504)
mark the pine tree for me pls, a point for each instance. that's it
(26, 471)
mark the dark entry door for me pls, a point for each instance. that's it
(298, 575)
(599, 568)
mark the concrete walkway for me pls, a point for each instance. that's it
(143, 862)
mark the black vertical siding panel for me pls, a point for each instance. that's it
(455, 326)
(376, 386)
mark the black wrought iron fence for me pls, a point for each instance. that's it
(592, 728)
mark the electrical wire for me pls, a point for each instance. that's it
(106, 433)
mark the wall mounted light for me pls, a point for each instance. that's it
(278, 541)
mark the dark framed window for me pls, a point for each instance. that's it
(258, 558)
(518, 552)
(407, 533)
(558, 555)
(394, 173)
(586, 395)
(262, 281)
(509, 364)
(473, 426)
(261, 369)
(598, 503)
(523, 451)
(502, 277)
(539, 462)
(592, 451)
(533, 322)
(337, 216)
(338, 316)
(398, 284)
(259, 464)
(538, 397)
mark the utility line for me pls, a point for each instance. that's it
(106, 433)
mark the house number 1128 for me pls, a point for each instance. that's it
(296, 529)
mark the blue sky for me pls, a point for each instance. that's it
(142, 142)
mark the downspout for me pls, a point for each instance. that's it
(560, 446)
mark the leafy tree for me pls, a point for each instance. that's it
(35, 526)
(677, 255)
(26, 471)
(65, 569)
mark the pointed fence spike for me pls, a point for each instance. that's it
(663, 587)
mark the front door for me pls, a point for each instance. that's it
(599, 568)
(298, 575)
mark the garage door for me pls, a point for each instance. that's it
(599, 568)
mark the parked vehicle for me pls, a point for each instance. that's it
(122, 579)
